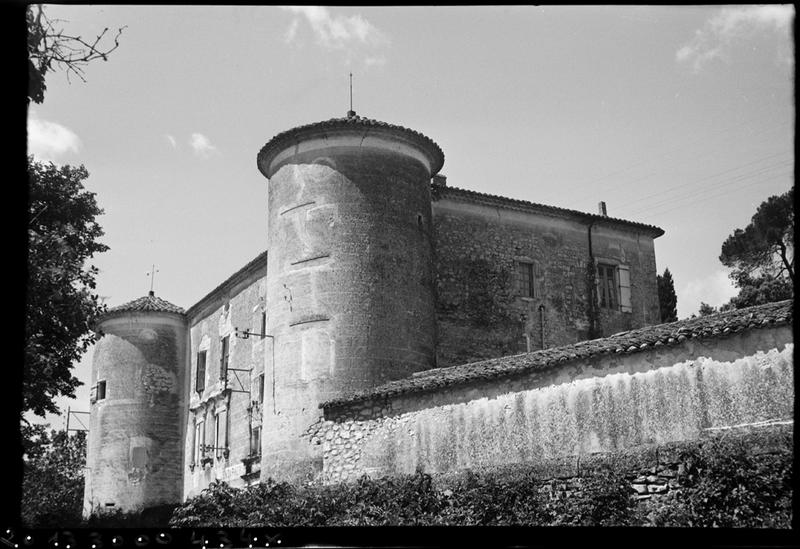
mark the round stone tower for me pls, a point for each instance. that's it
(134, 453)
(350, 298)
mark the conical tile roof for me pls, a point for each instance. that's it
(147, 304)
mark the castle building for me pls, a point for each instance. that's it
(375, 269)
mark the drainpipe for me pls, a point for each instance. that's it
(541, 322)
(592, 289)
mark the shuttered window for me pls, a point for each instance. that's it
(220, 432)
(199, 441)
(223, 360)
(607, 290)
(614, 287)
(624, 276)
(200, 381)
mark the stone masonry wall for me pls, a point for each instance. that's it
(584, 407)
(240, 308)
(480, 315)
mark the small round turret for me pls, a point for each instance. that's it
(134, 452)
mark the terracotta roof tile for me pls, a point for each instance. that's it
(439, 191)
(147, 304)
(351, 122)
(633, 341)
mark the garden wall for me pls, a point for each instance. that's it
(604, 402)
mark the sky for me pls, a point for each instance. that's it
(680, 117)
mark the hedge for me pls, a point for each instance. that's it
(742, 480)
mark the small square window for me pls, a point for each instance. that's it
(101, 390)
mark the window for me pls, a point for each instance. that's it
(139, 457)
(199, 441)
(614, 287)
(255, 441)
(607, 293)
(200, 382)
(101, 390)
(525, 280)
(223, 360)
(259, 388)
(220, 433)
(263, 323)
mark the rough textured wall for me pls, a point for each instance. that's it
(608, 404)
(350, 288)
(134, 452)
(241, 308)
(479, 313)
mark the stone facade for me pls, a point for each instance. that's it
(240, 396)
(480, 312)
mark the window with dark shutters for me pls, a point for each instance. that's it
(200, 381)
(223, 360)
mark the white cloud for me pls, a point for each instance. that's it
(353, 37)
(714, 289)
(201, 145)
(50, 140)
(335, 32)
(730, 25)
(171, 140)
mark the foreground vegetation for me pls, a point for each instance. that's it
(733, 481)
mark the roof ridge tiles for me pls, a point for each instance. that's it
(709, 326)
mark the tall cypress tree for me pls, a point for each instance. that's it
(667, 299)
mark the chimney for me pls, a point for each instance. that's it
(602, 207)
(440, 179)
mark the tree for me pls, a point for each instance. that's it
(667, 299)
(60, 303)
(763, 289)
(765, 248)
(52, 482)
(48, 45)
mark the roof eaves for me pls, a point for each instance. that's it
(524, 205)
(251, 266)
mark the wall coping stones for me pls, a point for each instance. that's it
(713, 326)
(465, 195)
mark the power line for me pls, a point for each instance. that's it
(710, 188)
(669, 153)
(727, 191)
(670, 189)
